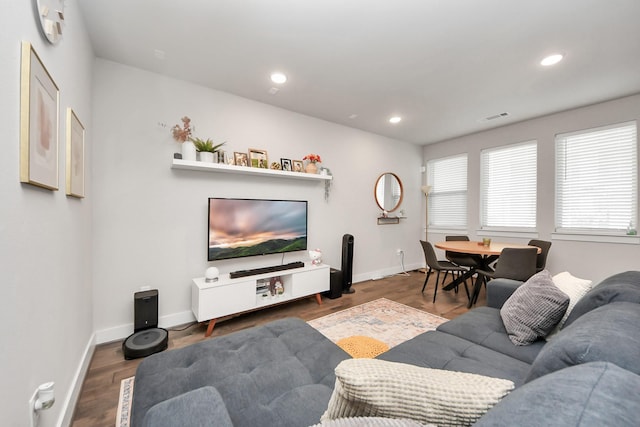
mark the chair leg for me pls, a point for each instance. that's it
(435, 290)
(476, 290)
(466, 288)
(454, 276)
(426, 280)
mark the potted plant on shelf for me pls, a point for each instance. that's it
(312, 159)
(182, 134)
(206, 148)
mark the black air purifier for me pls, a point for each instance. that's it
(147, 338)
(347, 263)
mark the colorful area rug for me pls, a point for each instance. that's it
(123, 417)
(382, 319)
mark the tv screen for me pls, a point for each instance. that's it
(248, 227)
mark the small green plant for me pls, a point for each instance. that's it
(207, 146)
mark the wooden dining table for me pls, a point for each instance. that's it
(488, 254)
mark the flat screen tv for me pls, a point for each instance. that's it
(249, 227)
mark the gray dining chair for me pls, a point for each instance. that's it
(462, 259)
(434, 264)
(513, 263)
(541, 260)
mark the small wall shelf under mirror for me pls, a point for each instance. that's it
(221, 167)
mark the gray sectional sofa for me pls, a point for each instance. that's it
(282, 373)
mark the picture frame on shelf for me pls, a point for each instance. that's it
(258, 158)
(298, 166)
(286, 164)
(240, 159)
(75, 155)
(39, 116)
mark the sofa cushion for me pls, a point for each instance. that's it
(484, 326)
(534, 309)
(369, 387)
(619, 287)
(280, 373)
(439, 350)
(202, 407)
(591, 395)
(573, 286)
(609, 333)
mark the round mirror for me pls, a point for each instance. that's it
(388, 192)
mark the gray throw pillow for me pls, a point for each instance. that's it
(534, 309)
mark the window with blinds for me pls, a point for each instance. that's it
(596, 180)
(508, 187)
(447, 207)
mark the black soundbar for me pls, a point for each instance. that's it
(263, 270)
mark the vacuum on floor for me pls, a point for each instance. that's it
(147, 338)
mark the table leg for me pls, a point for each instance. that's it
(476, 291)
(458, 281)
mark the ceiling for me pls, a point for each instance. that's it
(443, 65)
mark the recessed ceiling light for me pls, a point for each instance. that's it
(395, 119)
(278, 78)
(552, 59)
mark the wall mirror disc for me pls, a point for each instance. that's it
(388, 191)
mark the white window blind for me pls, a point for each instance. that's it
(596, 179)
(508, 182)
(447, 200)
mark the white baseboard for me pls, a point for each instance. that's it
(379, 274)
(71, 400)
(121, 332)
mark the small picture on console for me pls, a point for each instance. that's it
(250, 227)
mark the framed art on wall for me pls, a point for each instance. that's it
(258, 158)
(75, 155)
(39, 103)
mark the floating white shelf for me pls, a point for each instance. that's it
(245, 170)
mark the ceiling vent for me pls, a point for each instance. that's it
(494, 117)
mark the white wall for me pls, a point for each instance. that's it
(45, 237)
(150, 220)
(589, 260)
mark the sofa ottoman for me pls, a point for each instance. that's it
(280, 374)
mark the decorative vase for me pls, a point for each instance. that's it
(311, 168)
(206, 156)
(188, 151)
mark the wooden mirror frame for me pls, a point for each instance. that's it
(375, 191)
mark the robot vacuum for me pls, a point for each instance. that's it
(147, 338)
(144, 343)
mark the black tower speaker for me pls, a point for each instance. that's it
(147, 338)
(347, 263)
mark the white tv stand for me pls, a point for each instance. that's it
(213, 300)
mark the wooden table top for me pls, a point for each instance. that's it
(477, 248)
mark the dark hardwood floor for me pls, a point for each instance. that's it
(98, 400)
